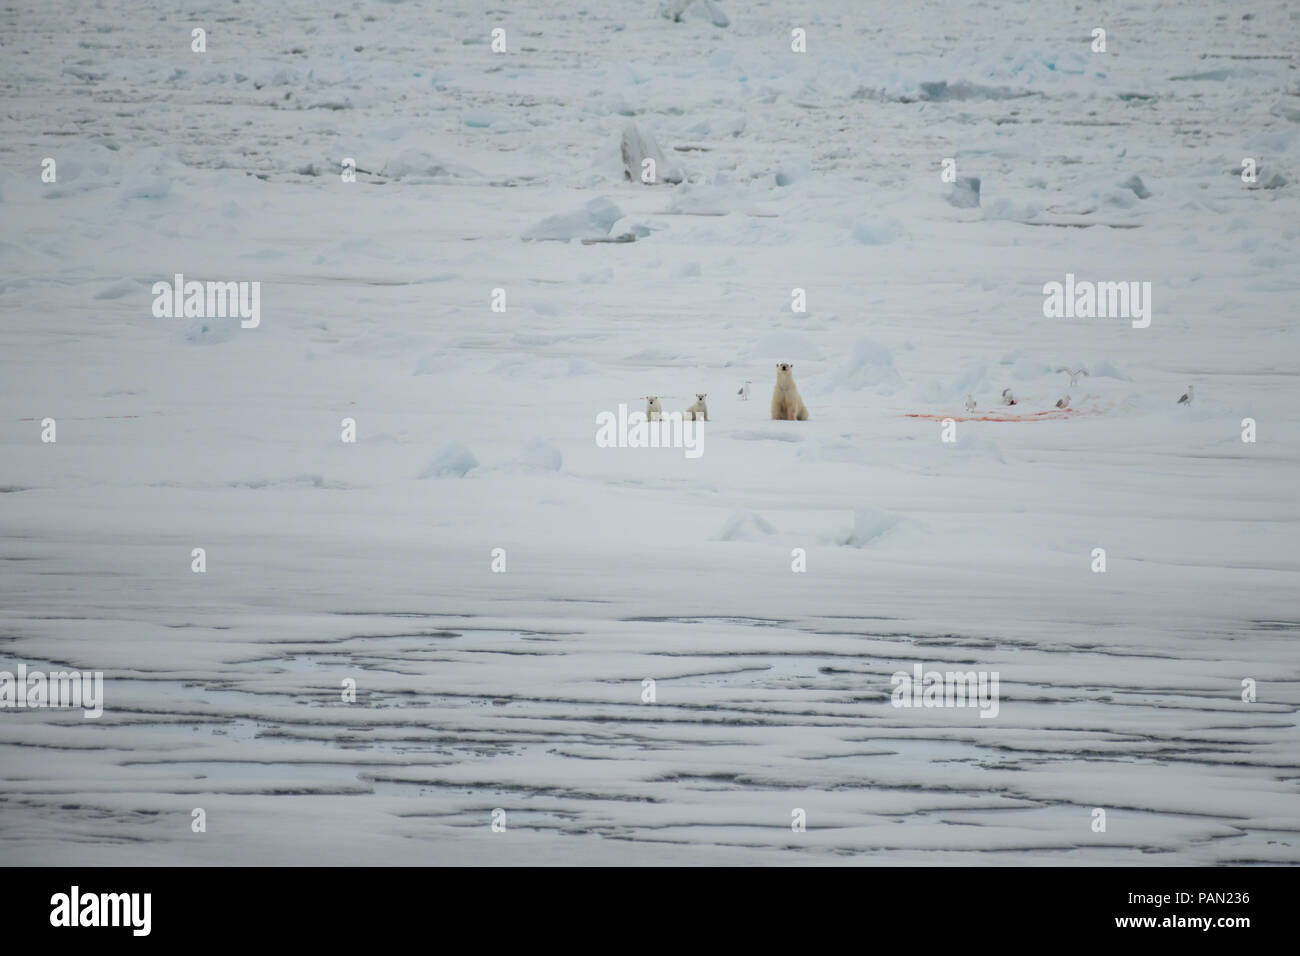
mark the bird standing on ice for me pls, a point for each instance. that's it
(744, 390)
(970, 402)
(1063, 402)
(1187, 397)
(1073, 373)
(1007, 397)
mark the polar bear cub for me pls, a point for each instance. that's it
(654, 412)
(787, 403)
(699, 411)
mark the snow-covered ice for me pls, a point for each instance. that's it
(523, 689)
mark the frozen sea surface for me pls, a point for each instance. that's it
(523, 691)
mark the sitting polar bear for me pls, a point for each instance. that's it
(699, 411)
(787, 403)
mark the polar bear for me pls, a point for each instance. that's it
(699, 411)
(787, 403)
(654, 412)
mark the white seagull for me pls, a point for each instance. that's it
(744, 390)
(1187, 397)
(1074, 373)
(1007, 397)
(1063, 402)
(970, 402)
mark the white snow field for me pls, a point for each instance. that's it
(1126, 691)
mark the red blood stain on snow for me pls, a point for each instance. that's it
(1046, 415)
